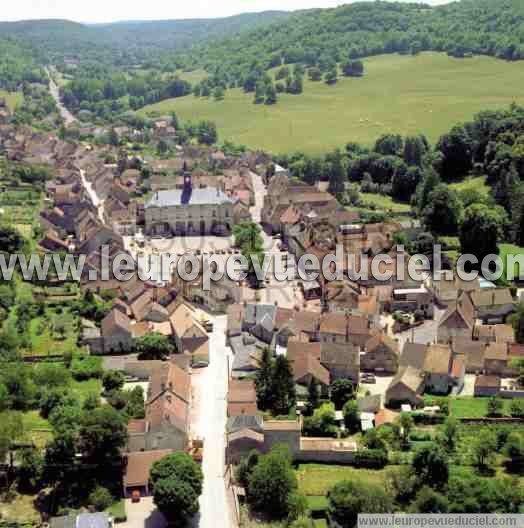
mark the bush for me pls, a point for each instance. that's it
(100, 498)
(84, 368)
(420, 436)
(371, 458)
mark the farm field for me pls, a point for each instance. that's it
(428, 93)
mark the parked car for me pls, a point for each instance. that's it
(135, 496)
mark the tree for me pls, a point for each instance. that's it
(154, 346)
(207, 133)
(516, 408)
(351, 416)
(415, 148)
(443, 214)
(406, 424)
(30, 469)
(514, 450)
(271, 94)
(263, 380)
(389, 144)
(322, 423)
(315, 74)
(456, 154)
(495, 406)
(313, 396)
(219, 93)
(179, 466)
(282, 386)
(11, 241)
(484, 448)
(337, 174)
(100, 498)
(112, 380)
(11, 430)
(431, 466)
(450, 433)
(113, 138)
(430, 501)
(103, 432)
(260, 92)
(349, 498)
(162, 147)
(405, 182)
(331, 77)
(272, 482)
(482, 230)
(341, 391)
(353, 68)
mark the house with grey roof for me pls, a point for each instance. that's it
(259, 320)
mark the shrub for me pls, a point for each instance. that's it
(100, 498)
(84, 368)
(371, 458)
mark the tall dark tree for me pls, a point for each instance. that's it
(456, 154)
(443, 214)
(263, 380)
(337, 173)
(282, 386)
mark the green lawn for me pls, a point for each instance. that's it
(473, 183)
(470, 407)
(428, 93)
(53, 333)
(511, 249)
(317, 479)
(381, 202)
(13, 99)
(83, 388)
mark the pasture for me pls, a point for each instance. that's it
(428, 93)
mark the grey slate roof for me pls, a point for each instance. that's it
(243, 348)
(237, 423)
(256, 314)
(208, 196)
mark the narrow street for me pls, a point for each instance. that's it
(67, 116)
(208, 421)
(99, 204)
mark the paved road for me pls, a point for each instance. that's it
(99, 204)
(208, 421)
(67, 116)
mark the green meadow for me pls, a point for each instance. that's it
(13, 99)
(427, 93)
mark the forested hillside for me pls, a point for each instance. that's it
(17, 65)
(323, 37)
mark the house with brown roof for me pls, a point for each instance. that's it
(305, 362)
(498, 333)
(166, 423)
(492, 305)
(380, 354)
(457, 321)
(496, 359)
(406, 387)
(471, 352)
(437, 369)
(190, 336)
(116, 332)
(137, 468)
(487, 385)
(344, 328)
(241, 398)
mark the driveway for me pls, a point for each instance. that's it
(143, 514)
(208, 421)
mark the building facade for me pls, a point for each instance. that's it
(189, 211)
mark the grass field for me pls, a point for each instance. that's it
(428, 93)
(318, 479)
(13, 99)
(511, 249)
(469, 407)
(381, 202)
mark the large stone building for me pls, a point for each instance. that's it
(189, 211)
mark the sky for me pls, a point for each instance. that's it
(115, 10)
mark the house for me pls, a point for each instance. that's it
(117, 332)
(190, 336)
(235, 314)
(166, 422)
(137, 468)
(458, 320)
(246, 355)
(458, 370)
(437, 368)
(487, 385)
(259, 320)
(406, 387)
(498, 333)
(471, 352)
(413, 300)
(496, 359)
(241, 398)
(447, 287)
(413, 355)
(380, 354)
(341, 360)
(492, 305)
(306, 365)
(345, 328)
